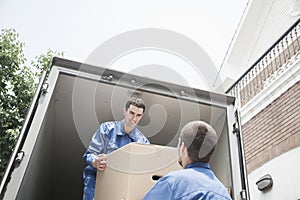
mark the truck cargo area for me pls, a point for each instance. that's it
(76, 102)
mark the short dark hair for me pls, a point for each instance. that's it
(135, 101)
(200, 139)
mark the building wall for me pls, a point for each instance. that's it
(270, 115)
(271, 132)
(275, 19)
(263, 23)
(274, 130)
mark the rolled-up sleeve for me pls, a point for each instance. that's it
(96, 146)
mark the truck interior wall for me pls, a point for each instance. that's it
(55, 168)
(56, 165)
(68, 151)
(220, 161)
(163, 118)
(39, 170)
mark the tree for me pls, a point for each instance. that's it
(17, 85)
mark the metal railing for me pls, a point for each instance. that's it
(279, 54)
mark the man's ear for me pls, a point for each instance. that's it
(182, 148)
(124, 111)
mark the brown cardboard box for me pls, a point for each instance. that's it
(131, 169)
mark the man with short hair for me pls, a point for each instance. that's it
(196, 181)
(109, 137)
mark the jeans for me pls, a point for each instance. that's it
(89, 186)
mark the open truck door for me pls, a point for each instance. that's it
(67, 109)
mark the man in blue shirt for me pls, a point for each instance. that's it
(109, 137)
(196, 181)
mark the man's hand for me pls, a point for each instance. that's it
(100, 162)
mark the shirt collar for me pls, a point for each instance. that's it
(198, 164)
(122, 131)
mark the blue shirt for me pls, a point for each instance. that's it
(196, 181)
(109, 137)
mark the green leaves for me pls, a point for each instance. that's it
(17, 85)
(43, 61)
(13, 101)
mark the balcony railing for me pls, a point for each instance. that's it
(272, 62)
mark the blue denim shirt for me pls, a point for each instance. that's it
(108, 137)
(196, 181)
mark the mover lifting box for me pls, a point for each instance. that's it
(68, 107)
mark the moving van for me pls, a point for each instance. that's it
(75, 98)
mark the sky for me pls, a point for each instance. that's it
(81, 28)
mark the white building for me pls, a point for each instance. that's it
(262, 69)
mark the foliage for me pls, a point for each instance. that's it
(17, 86)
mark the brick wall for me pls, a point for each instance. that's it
(274, 130)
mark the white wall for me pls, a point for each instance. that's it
(264, 22)
(285, 171)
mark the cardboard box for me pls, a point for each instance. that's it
(133, 169)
